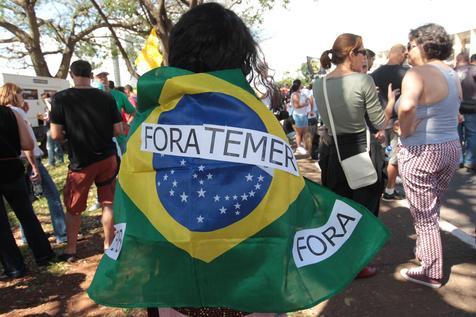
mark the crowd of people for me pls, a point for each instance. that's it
(93, 121)
(414, 115)
(415, 122)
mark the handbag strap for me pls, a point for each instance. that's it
(331, 120)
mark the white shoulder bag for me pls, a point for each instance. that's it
(358, 169)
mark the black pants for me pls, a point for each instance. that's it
(333, 176)
(17, 196)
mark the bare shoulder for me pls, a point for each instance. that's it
(413, 75)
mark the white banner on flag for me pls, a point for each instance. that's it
(317, 244)
(221, 143)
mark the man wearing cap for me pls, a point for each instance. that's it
(122, 102)
(88, 118)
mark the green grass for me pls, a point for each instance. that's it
(57, 269)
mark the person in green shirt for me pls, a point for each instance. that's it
(126, 109)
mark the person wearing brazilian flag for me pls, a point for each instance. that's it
(212, 215)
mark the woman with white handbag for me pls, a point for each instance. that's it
(344, 97)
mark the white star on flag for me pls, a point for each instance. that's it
(249, 177)
(258, 186)
(217, 198)
(184, 197)
(227, 197)
(209, 176)
(237, 212)
(235, 197)
(244, 197)
(222, 210)
(260, 178)
(174, 183)
(201, 168)
(201, 192)
(171, 192)
(172, 172)
(200, 218)
(182, 162)
(237, 206)
(158, 183)
(201, 182)
(166, 177)
(195, 175)
(252, 193)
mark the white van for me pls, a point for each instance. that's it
(33, 87)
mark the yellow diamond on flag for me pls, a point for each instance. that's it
(150, 56)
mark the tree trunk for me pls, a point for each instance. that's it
(164, 45)
(34, 48)
(39, 62)
(65, 62)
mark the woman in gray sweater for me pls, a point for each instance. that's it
(352, 97)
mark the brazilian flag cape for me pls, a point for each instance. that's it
(211, 209)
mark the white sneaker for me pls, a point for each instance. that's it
(301, 150)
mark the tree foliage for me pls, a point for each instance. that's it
(30, 30)
(34, 29)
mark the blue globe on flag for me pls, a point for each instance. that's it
(191, 189)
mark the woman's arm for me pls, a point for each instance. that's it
(391, 98)
(373, 107)
(412, 89)
(296, 101)
(26, 142)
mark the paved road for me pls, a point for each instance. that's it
(387, 294)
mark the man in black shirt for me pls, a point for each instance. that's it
(88, 118)
(391, 73)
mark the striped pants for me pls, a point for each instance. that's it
(426, 171)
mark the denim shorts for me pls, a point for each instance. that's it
(300, 120)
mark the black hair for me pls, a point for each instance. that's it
(81, 68)
(120, 88)
(473, 58)
(434, 41)
(111, 84)
(295, 86)
(370, 53)
(276, 101)
(210, 37)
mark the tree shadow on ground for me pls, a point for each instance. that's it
(35, 290)
(387, 294)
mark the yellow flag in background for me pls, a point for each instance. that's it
(150, 56)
